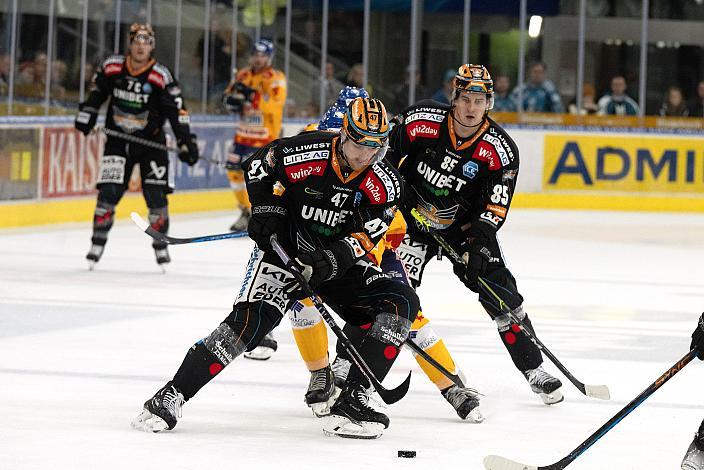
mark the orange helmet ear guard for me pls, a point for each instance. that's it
(474, 79)
(366, 122)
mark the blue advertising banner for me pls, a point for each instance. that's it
(213, 144)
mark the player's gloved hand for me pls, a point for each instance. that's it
(317, 267)
(476, 261)
(698, 338)
(86, 119)
(188, 150)
(265, 222)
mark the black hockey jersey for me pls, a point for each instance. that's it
(324, 205)
(454, 183)
(140, 100)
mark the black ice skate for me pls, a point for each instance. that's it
(352, 417)
(340, 368)
(465, 401)
(322, 392)
(694, 458)
(242, 221)
(161, 412)
(94, 254)
(266, 348)
(162, 257)
(545, 385)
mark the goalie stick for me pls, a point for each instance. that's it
(389, 396)
(495, 462)
(593, 391)
(162, 237)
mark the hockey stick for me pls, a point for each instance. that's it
(152, 144)
(593, 391)
(162, 237)
(453, 377)
(389, 396)
(494, 462)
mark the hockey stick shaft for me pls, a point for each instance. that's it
(152, 144)
(162, 237)
(389, 396)
(439, 367)
(595, 391)
(500, 463)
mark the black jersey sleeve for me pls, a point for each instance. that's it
(262, 170)
(171, 103)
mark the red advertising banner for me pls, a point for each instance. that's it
(71, 162)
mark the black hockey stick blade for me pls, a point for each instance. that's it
(495, 462)
(162, 237)
(453, 377)
(388, 395)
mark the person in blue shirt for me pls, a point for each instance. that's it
(617, 101)
(539, 93)
(503, 101)
(443, 94)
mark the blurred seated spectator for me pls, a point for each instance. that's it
(696, 109)
(331, 85)
(502, 99)
(617, 102)
(355, 76)
(4, 73)
(589, 106)
(401, 92)
(539, 93)
(674, 104)
(444, 94)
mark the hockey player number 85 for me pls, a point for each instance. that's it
(500, 194)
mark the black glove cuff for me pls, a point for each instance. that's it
(270, 209)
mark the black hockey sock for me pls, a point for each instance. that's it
(103, 218)
(197, 369)
(355, 334)
(524, 353)
(159, 221)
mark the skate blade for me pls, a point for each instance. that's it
(260, 353)
(475, 416)
(163, 269)
(321, 410)
(552, 398)
(341, 426)
(148, 422)
(91, 265)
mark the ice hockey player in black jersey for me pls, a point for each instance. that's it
(141, 95)
(694, 458)
(460, 169)
(336, 205)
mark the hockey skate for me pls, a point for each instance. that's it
(322, 392)
(352, 417)
(340, 368)
(545, 385)
(94, 255)
(694, 458)
(242, 221)
(161, 412)
(162, 257)
(266, 348)
(465, 401)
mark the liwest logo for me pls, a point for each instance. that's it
(623, 163)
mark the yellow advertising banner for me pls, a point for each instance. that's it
(624, 163)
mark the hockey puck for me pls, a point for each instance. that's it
(407, 454)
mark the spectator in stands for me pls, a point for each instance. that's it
(539, 93)
(4, 73)
(331, 85)
(402, 90)
(696, 109)
(617, 102)
(589, 106)
(443, 94)
(674, 104)
(355, 77)
(503, 102)
(58, 77)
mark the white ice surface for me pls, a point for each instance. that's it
(613, 295)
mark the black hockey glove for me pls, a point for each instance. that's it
(265, 222)
(698, 338)
(317, 267)
(235, 100)
(86, 119)
(188, 150)
(476, 261)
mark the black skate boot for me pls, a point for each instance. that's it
(340, 368)
(322, 392)
(161, 412)
(465, 401)
(242, 221)
(694, 458)
(352, 417)
(545, 385)
(266, 348)
(94, 254)
(162, 256)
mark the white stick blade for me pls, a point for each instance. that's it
(598, 391)
(494, 462)
(141, 223)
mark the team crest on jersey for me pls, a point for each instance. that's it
(470, 169)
